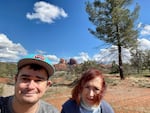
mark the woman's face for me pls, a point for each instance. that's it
(91, 91)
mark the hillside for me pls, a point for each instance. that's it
(7, 69)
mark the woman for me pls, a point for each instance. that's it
(87, 95)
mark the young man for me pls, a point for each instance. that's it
(31, 82)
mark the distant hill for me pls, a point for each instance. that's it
(8, 69)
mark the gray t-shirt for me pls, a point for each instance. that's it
(44, 107)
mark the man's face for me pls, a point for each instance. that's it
(30, 85)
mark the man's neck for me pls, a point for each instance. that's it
(24, 108)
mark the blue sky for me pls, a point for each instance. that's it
(57, 29)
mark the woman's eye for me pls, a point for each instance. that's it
(96, 89)
(87, 87)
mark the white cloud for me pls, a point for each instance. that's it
(46, 12)
(54, 59)
(111, 54)
(82, 57)
(107, 55)
(145, 30)
(139, 25)
(144, 44)
(10, 51)
(40, 51)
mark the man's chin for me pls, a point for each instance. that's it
(29, 100)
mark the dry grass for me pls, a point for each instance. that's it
(127, 96)
(131, 95)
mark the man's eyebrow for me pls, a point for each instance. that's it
(24, 75)
(39, 77)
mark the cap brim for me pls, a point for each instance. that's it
(48, 67)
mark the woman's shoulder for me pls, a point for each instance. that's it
(70, 106)
(104, 102)
(106, 107)
(69, 102)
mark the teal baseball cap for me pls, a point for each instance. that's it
(37, 59)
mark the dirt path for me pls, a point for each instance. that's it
(129, 99)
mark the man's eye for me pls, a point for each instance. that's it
(25, 79)
(39, 80)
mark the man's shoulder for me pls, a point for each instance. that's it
(4, 103)
(4, 100)
(46, 107)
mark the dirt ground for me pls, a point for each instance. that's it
(4, 80)
(125, 97)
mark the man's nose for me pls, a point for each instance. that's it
(31, 84)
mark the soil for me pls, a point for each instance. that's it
(4, 80)
(125, 96)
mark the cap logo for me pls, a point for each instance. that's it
(39, 57)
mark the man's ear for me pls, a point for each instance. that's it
(16, 76)
(49, 83)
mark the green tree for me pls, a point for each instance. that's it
(114, 24)
(85, 66)
(137, 59)
(146, 63)
(114, 68)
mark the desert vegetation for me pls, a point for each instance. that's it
(130, 95)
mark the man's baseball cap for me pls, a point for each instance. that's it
(37, 59)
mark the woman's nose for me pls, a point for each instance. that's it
(91, 92)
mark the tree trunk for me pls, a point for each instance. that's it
(120, 63)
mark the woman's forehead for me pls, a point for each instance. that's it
(96, 80)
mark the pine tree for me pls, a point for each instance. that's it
(115, 24)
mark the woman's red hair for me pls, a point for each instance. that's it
(87, 76)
